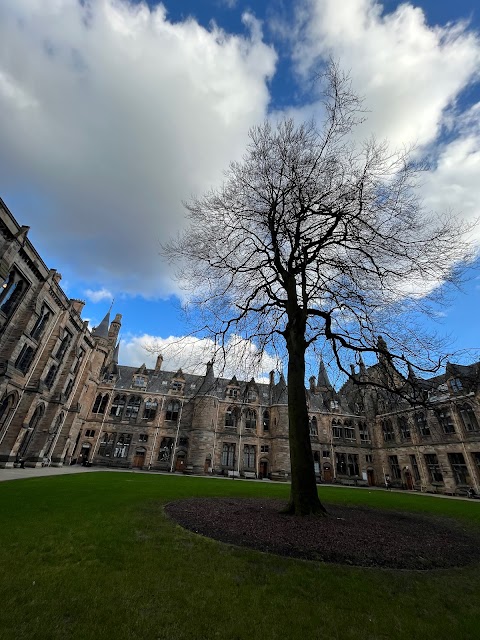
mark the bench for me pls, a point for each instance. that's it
(249, 475)
(233, 474)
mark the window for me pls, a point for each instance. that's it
(177, 386)
(468, 416)
(78, 361)
(139, 381)
(133, 407)
(42, 320)
(143, 437)
(100, 403)
(249, 456)
(251, 395)
(364, 432)
(348, 431)
(232, 393)
(228, 455)
(50, 377)
(387, 430)
(183, 441)
(337, 429)
(12, 293)
(165, 452)
(64, 345)
(369, 458)
(68, 389)
(325, 454)
(347, 464)
(352, 465)
(422, 425)
(415, 469)
(476, 459)
(173, 410)
(117, 406)
(89, 433)
(394, 467)
(265, 448)
(6, 407)
(456, 385)
(25, 358)
(445, 420)
(106, 445)
(150, 410)
(313, 427)
(230, 417)
(266, 421)
(434, 471)
(251, 419)
(459, 468)
(404, 428)
(123, 445)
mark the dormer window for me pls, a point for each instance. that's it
(456, 385)
(139, 381)
(251, 395)
(232, 393)
(177, 385)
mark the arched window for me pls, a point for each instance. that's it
(25, 358)
(421, 423)
(6, 408)
(165, 450)
(266, 421)
(41, 323)
(117, 406)
(349, 430)
(404, 427)
(32, 426)
(468, 416)
(150, 410)
(100, 403)
(230, 417)
(173, 410)
(64, 345)
(122, 445)
(249, 456)
(387, 430)
(106, 445)
(364, 432)
(251, 419)
(313, 427)
(228, 455)
(133, 407)
(51, 375)
(337, 429)
(12, 293)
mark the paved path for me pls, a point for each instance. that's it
(18, 474)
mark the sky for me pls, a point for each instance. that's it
(114, 112)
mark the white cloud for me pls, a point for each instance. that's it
(112, 115)
(408, 71)
(98, 295)
(191, 355)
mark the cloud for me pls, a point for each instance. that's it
(409, 72)
(241, 357)
(111, 116)
(99, 295)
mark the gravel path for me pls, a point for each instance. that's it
(349, 535)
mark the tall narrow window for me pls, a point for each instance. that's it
(249, 456)
(228, 455)
(25, 358)
(433, 466)
(6, 408)
(422, 425)
(122, 445)
(11, 294)
(173, 410)
(415, 469)
(78, 361)
(445, 420)
(313, 427)
(459, 468)
(394, 467)
(468, 416)
(387, 430)
(364, 432)
(41, 323)
(62, 349)
(251, 419)
(118, 405)
(404, 428)
(133, 407)
(230, 417)
(51, 375)
(150, 410)
(266, 421)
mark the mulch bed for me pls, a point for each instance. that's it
(349, 535)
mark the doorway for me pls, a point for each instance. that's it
(181, 461)
(408, 480)
(327, 473)
(263, 469)
(85, 453)
(139, 458)
(370, 478)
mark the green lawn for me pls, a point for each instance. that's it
(91, 556)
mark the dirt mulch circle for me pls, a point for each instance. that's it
(349, 535)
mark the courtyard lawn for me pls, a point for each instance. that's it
(92, 556)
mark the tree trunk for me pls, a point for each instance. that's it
(303, 496)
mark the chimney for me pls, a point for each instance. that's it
(158, 365)
(77, 305)
(272, 378)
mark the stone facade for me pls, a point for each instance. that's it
(64, 399)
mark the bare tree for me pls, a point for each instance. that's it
(313, 237)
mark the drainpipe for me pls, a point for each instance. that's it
(215, 435)
(239, 445)
(176, 436)
(156, 434)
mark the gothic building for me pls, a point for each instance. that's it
(65, 399)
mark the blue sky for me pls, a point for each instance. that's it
(112, 113)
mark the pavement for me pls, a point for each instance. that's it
(20, 474)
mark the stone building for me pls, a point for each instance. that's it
(64, 398)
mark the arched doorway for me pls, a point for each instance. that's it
(327, 472)
(207, 465)
(85, 453)
(181, 461)
(139, 458)
(370, 477)
(263, 469)
(408, 480)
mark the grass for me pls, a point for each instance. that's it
(92, 556)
